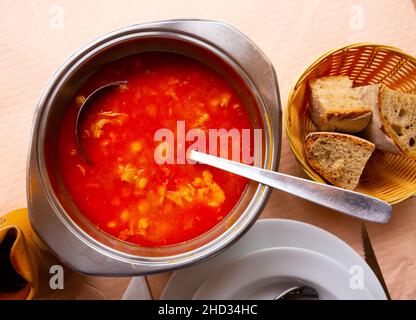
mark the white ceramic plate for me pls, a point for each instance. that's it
(269, 233)
(248, 276)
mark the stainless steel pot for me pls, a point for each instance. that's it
(77, 242)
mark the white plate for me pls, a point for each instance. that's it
(269, 233)
(247, 277)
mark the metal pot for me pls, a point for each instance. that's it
(55, 218)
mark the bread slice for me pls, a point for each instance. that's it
(393, 127)
(337, 106)
(339, 158)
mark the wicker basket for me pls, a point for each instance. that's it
(388, 177)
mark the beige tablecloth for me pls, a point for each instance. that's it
(37, 36)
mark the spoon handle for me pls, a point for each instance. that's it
(349, 202)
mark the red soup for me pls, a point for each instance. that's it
(125, 192)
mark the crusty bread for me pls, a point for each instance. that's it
(337, 106)
(393, 127)
(374, 131)
(339, 158)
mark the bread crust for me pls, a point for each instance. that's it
(311, 138)
(388, 131)
(350, 120)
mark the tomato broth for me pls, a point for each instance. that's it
(125, 192)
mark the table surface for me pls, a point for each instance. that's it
(37, 37)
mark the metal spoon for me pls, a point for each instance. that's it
(84, 107)
(348, 202)
(298, 293)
